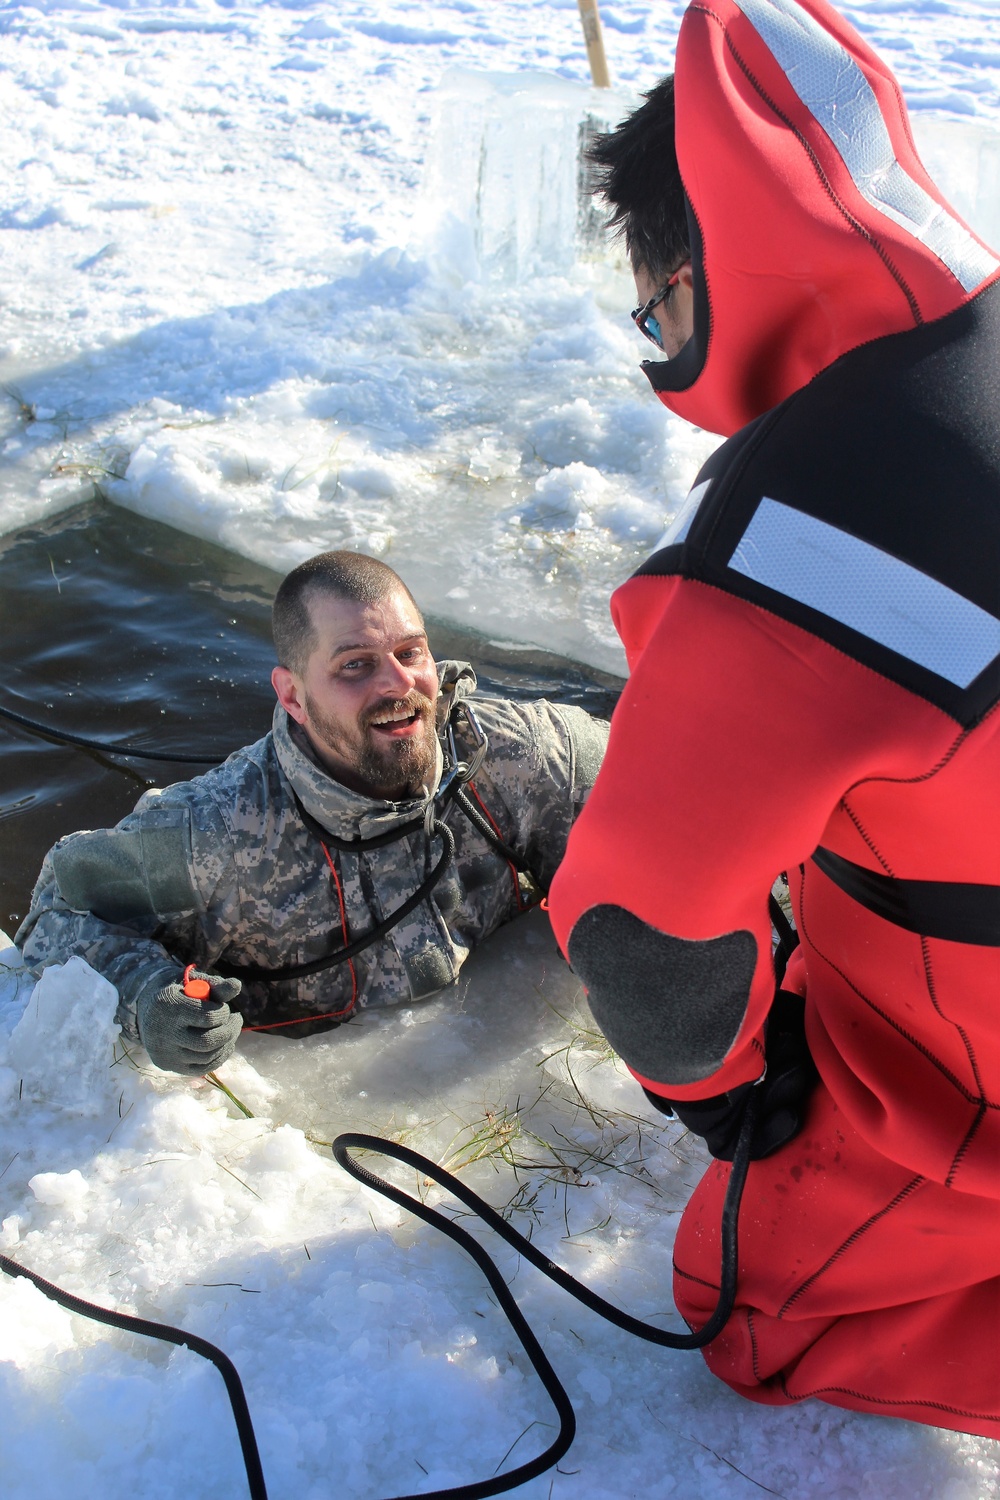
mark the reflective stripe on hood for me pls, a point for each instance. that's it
(814, 226)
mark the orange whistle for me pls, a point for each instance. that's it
(196, 989)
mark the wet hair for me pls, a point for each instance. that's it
(345, 575)
(634, 167)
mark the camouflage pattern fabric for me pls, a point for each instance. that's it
(223, 869)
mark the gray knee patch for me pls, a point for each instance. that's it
(670, 1007)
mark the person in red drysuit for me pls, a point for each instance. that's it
(815, 667)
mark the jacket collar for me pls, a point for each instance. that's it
(349, 814)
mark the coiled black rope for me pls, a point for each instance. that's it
(353, 1141)
(63, 737)
(124, 1321)
(498, 1484)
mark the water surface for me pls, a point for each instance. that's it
(124, 630)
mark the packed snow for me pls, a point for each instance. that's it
(290, 276)
(374, 1359)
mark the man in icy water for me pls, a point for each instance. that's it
(815, 671)
(391, 813)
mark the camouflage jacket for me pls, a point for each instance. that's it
(225, 871)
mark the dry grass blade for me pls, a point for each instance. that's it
(216, 1082)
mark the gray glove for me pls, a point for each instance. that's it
(188, 1036)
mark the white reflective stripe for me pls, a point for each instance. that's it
(681, 524)
(873, 592)
(837, 93)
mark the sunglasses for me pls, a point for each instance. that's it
(643, 318)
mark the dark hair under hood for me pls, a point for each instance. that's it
(814, 226)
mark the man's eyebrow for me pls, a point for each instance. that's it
(418, 635)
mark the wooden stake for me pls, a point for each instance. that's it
(594, 37)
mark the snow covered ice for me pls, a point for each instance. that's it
(298, 276)
(284, 276)
(369, 1348)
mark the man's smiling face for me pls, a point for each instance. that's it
(367, 693)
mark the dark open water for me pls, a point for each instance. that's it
(122, 629)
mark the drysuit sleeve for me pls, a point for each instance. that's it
(138, 900)
(543, 762)
(733, 743)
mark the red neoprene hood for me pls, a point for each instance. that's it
(814, 225)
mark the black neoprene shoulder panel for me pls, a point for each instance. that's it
(895, 446)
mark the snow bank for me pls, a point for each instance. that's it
(369, 1347)
(70, 1015)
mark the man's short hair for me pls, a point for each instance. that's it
(346, 575)
(637, 172)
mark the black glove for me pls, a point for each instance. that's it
(783, 1092)
(184, 1035)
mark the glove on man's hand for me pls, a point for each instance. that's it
(783, 1093)
(189, 1036)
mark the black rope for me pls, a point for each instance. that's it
(482, 825)
(356, 845)
(366, 939)
(498, 1484)
(352, 1141)
(224, 1365)
(536, 1354)
(63, 736)
(254, 972)
(730, 1213)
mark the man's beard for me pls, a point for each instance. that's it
(405, 766)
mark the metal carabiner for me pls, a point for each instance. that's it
(468, 769)
(459, 770)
